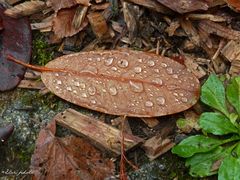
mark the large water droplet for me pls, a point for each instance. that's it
(160, 100)
(157, 81)
(93, 101)
(136, 86)
(108, 61)
(181, 94)
(82, 85)
(69, 88)
(123, 63)
(149, 104)
(114, 68)
(113, 91)
(164, 65)
(84, 95)
(76, 83)
(151, 63)
(169, 70)
(137, 69)
(92, 90)
(184, 99)
(59, 82)
(175, 76)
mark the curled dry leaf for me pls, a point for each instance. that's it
(67, 158)
(63, 25)
(184, 6)
(16, 39)
(60, 4)
(25, 9)
(131, 83)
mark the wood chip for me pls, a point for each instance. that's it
(61, 4)
(98, 24)
(151, 122)
(161, 143)
(183, 6)
(222, 31)
(191, 31)
(156, 146)
(153, 5)
(31, 84)
(98, 132)
(210, 17)
(25, 9)
(232, 53)
(190, 63)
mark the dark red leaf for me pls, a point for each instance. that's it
(16, 40)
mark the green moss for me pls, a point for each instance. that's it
(42, 51)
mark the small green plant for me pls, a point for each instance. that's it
(42, 52)
(218, 149)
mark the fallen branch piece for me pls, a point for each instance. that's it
(98, 132)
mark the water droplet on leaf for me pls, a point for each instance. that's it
(148, 103)
(137, 69)
(108, 61)
(113, 91)
(123, 63)
(160, 100)
(92, 90)
(136, 86)
(151, 63)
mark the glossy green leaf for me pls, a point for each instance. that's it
(213, 94)
(206, 164)
(216, 123)
(229, 169)
(233, 93)
(195, 144)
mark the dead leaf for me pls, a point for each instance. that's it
(126, 82)
(67, 158)
(234, 4)
(184, 6)
(16, 40)
(65, 28)
(25, 9)
(61, 4)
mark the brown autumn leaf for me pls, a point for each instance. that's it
(184, 6)
(126, 82)
(61, 4)
(63, 23)
(67, 158)
(234, 4)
